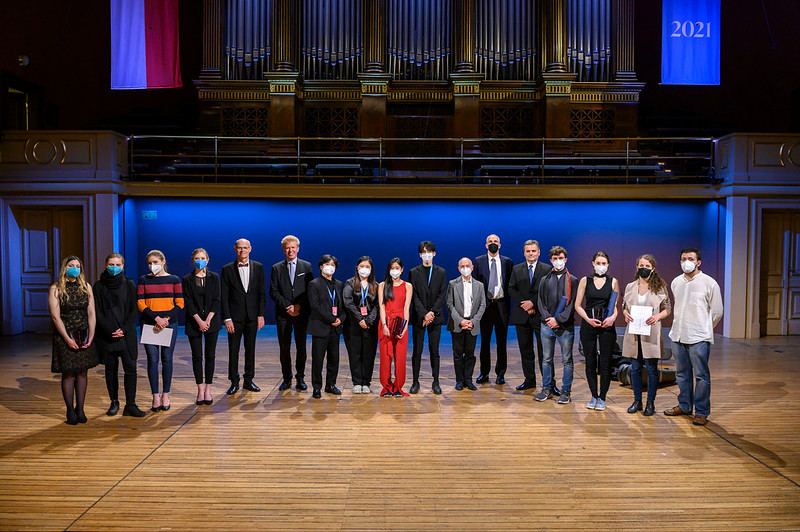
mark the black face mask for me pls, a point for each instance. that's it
(644, 273)
(493, 248)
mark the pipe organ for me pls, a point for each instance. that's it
(505, 39)
(332, 39)
(247, 38)
(589, 39)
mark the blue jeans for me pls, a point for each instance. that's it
(565, 340)
(153, 352)
(652, 377)
(694, 379)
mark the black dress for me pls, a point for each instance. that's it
(75, 317)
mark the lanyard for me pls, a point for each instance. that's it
(333, 296)
(430, 272)
(363, 295)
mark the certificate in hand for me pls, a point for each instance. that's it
(150, 337)
(640, 313)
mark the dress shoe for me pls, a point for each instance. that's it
(436, 388)
(285, 385)
(677, 411)
(233, 389)
(649, 409)
(315, 394)
(699, 420)
(636, 406)
(72, 419)
(133, 411)
(459, 386)
(500, 380)
(155, 408)
(251, 386)
(113, 410)
(333, 390)
(414, 387)
(200, 402)
(526, 386)
(301, 385)
(470, 386)
(81, 417)
(208, 402)
(165, 407)
(482, 379)
(556, 391)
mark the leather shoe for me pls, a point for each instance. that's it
(677, 411)
(436, 388)
(233, 389)
(133, 411)
(414, 387)
(482, 379)
(301, 385)
(166, 407)
(284, 386)
(251, 386)
(315, 394)
(636, 406)
(500, 380)
(113, 410)
(699, 420)
(459, 386)
(470, 386)
(526, 386)
(649, 409)
(333, 389)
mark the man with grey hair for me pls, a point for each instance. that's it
(466, 303)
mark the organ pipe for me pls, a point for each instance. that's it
(589, 39)
(247, 38)
(505, 33)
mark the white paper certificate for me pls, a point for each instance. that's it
(163, 338)
(640, 313)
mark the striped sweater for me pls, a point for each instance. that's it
(159, 296)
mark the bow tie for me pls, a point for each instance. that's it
(244, 264)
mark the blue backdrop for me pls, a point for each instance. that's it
(690, 42)
(385, 229)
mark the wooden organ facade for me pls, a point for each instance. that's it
(418, 68)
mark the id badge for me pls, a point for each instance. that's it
(335, 310)
(364, 311)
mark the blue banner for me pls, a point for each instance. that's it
(690, 31)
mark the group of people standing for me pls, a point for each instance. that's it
(98, 324)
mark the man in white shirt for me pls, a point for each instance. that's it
(698, 309)
(466, 303)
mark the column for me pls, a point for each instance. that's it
(212, 40)
(466, 82)
(622, 53)
(556, 81)
(284, 78)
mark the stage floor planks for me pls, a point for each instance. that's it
(487, 460)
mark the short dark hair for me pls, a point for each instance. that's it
(557, 250)
(692, 250)
(601, 254)
(327, 258)
(427, 245)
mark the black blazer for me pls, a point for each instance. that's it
(481, 273)
(319, 299)
(521, 289)
(352, 302)
(426, 297)
(238, 305)
(107, 324)
(202, 306)
(284, 294)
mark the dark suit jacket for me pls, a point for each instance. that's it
(107, 324)
(283, 293)
(521, 289)
(238, 305)
(352, 302)
(426, 297)
(202, 305)
(481, 273)
(319, 299)
(549, 297)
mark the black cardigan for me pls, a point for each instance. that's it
(202, 306)
(107, 325)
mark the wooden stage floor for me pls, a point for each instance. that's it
(487, 460)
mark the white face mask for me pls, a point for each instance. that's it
(364, 272)
(427, 257)
(328, 269)
(558, 264)
(465, 271)
(395, 273)
(688, 266)
(600, 270)
(155, 268)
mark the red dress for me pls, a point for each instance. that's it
(391, 347)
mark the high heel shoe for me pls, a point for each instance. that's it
(208, 402)
(635, 407)
(165, 407)
(649, 409)
(81, 417)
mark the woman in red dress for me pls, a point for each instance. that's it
(394, 300)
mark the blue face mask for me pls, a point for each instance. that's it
(73, 272)
(113, 269)
(200, 264)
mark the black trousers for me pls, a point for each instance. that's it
(361, 346)
(248, 330)
(589, 338)
(196, 344)
(320, 346)
(493, 319)
(464, 355)
(129, 379)
(285, 327)
(526, 334)
(418, 337)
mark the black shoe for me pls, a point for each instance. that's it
(251, 386)
(285, 385)
(500, 380)
(113, 410)
(333, 389)
(482, 379)
(556, 391)
(459, 386)
(526, 386)
(436, 388)
(200, 402)
(635, 407)
(398, 393)
(470, 386)
(165, 408)
(155, 408)
(301, 385)
(414, 387)
(649, 409)
(72, 419)
(81, 417)
(208, 402)
(133, 411)
(233, 389)
(315, 394)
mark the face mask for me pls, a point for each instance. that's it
(113, 270)
(465, 271)
(558, 264)
(73, 272)
(644, 273)
(155, 268)
(200, 264)
(395, 273)
(493, 247)
(688, 266)
(364, 272)
(328, 269)
(427, 257)
(600, 270)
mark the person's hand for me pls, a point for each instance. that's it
(628, 318)
(229, 327)
(428, 318)
(161, 323)
(336, 323)
(88, 342)
(260, 322)
(363, 324)
(652, 319)
(119, 333)
(465, 324)
(72, 344)
(552, 323)
(386, 330)
(594, 323)
(609, 321)
(527, 306)
(291, 311)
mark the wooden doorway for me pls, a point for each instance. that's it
(780, 272)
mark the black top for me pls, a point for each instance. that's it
(352, 302)
(428, 297)
(597, 298)
(319, 300)
(202, 295)
(115, 308)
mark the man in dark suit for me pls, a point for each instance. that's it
(494, 272)
(325, 325)
(288, 288)
(524, 290)
(244, 301)
(430, 289)
(466, 303)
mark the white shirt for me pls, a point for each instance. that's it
(498, 291)
(467, 296)
(698, 308)
(244, 275)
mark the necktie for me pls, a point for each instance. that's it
(291, 273)
(530, 273)
(493, 277)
